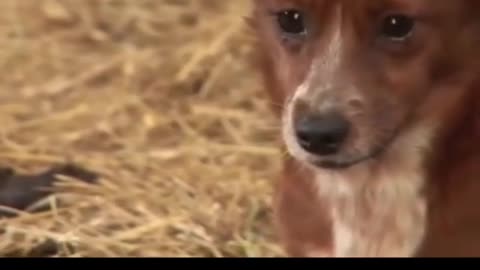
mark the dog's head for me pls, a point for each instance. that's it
(353, 75)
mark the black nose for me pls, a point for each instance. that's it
(322, 134)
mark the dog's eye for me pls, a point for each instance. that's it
(291, 22)
(397, 27)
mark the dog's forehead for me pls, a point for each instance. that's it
(361, 6)
(346, 4)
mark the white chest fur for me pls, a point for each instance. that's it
(384, 218)
(381, 212)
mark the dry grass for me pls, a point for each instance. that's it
(157, 96)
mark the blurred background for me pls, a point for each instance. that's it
(160, 98)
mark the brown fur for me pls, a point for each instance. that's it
(418, 102)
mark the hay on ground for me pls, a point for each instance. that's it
(159, 98)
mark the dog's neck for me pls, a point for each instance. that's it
(453, 183)
(378, 207)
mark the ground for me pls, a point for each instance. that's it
(157, 96)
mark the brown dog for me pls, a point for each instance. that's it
(381, 119)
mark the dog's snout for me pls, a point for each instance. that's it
(322, 134)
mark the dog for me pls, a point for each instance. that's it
(379, 104)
